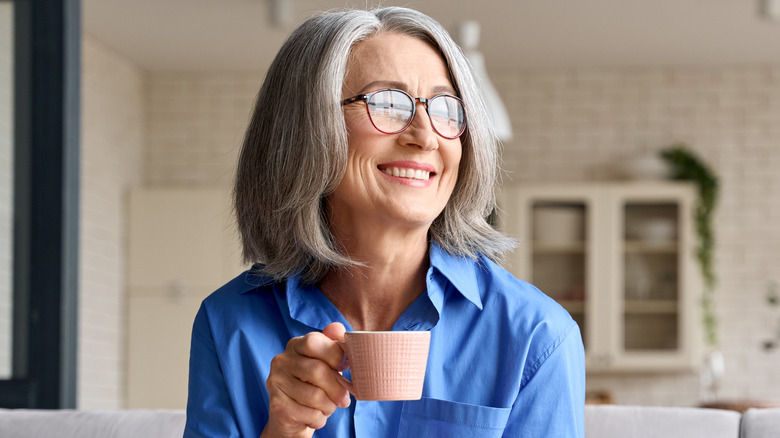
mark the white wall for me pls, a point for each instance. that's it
(112, 133)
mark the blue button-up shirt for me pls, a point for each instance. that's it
(505, 359)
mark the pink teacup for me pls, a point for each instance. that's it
(387, 365)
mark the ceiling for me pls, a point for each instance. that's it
(238, 35)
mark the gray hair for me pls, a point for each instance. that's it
(295, 149)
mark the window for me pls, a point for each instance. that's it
(46, 58)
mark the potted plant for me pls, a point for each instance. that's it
(685, 165)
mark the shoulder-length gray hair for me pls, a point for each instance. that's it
(295, 149)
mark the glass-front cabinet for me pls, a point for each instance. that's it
(619, 257)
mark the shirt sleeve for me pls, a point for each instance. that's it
(210, 411)
(552, 402)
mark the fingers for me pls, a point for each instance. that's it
(335, 331)
(290, 419)
(318, 346)
(292, 416)
(309, 395)
(309, 382)
(318, 362)
(303, 383)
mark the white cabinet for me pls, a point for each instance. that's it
(182, 246)
(620, 258)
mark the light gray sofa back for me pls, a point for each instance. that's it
(91, 424)
(761, 423)
(605, 421)
(608, 421)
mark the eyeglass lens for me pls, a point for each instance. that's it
(391, 111)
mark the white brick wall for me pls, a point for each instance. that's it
(111, 162)
(6, 183)
(195, 125)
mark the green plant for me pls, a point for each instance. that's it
(685, 165)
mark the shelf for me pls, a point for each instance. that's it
(642, 246)
(655, 307)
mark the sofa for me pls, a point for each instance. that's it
(612, 421)
(601, 421)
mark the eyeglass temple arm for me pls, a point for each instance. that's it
(353, 99)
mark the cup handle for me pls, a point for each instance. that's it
(346, 384)
(343, 380)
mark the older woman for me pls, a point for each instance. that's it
(361, 194)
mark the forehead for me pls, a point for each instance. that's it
(396, 57)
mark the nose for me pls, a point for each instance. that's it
(420, 132)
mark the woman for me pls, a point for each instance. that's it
(361, 193)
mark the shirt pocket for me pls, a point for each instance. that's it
(430, 417)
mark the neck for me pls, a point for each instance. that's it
(373, 297)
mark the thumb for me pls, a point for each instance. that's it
(335, 331)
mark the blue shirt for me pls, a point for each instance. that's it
(505, 359)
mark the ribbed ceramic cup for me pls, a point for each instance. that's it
(387, 365)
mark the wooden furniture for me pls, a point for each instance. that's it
(619, 258)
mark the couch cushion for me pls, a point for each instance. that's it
(23, 423)
(610, 421)
(761, 423)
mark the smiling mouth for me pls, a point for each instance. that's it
(422, 175)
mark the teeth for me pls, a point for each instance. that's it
(408, 173)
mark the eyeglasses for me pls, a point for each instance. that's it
(391, 111)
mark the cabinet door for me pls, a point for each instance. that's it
(651, 247)
(619, 258)
(182, 247)
(556, 232)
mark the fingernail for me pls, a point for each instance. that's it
(344, 364)
(346, 402)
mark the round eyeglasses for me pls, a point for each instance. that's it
(391, 111)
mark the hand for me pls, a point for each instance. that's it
(303, 384)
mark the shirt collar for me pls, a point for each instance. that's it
(461, 272)
(251, 280)
(307, 304)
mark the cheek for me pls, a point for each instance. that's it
(453, 162)
(357, 122)
(454, 157)
(359, 161)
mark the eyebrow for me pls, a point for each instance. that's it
(402, 86)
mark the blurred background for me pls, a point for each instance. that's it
(592, 91)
